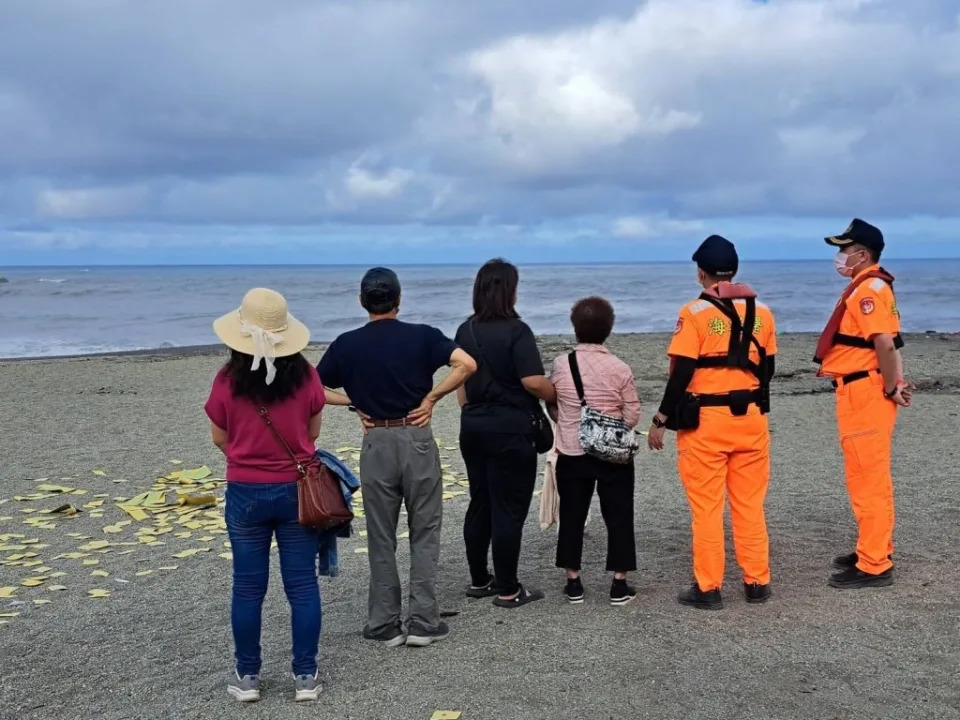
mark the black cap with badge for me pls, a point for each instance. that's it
(380, 286)
(717, 257)
(861, 233)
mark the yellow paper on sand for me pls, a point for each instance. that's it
(9, 615)
(99, 473)
(95, 545)
(190, 552)
(200, 473)
(7, 592)
(227, 556)
(134, 512)
(446, 715)
(144, 573)
(168, 568)
(90, 563)
(34, 582)
(98, 593)
(42, 601)
(176, 462)
(56, 588)
(100, 573)
(58, 574)
(360, 551)
(54, 488)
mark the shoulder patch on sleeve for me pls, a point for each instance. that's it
(877, 284)
(699, 306)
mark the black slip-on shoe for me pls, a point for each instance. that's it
(482, 591)
(574, 592)
(854, 578)
(621, 593)
(695, 597)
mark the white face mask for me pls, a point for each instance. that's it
(840, 263)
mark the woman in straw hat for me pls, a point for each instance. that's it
(266, 370)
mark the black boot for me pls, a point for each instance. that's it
(695, 597)
(855, 578)
(757, 593)
(842, 562)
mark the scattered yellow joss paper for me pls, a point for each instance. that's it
(134, 512)
(56, 588)
(7, 592)
(360, 551)
(168, 568)
(100, 573)
(90, 563)
(58, 574)
(42, 601)
(95, 545)
(67, 510)
(99, 473)
(227, 556)
(98, 593)
(119, 480)
(446, 715)
(43, 569)
(207, 538)
(54, 488)
(126, 552)
(71, 556)
(200, 473)
(176, 462)
(34, 582)
(403, 535)
(190, 552)
(144, 573)
(9, 615)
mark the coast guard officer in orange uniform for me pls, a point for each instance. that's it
(860, 350)
(717, 398)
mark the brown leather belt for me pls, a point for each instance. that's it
(401, 423)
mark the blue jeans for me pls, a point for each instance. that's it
(254, 513)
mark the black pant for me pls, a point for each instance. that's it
(502, 470)
(576, 478)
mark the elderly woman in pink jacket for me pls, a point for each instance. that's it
(608, 387)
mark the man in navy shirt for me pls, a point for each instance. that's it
(386, 368)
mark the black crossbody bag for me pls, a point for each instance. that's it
(541, 431)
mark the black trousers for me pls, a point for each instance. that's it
(577, 476)
(502, 471)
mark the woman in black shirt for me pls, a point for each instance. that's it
(496, 433)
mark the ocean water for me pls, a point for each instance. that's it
(65, 311)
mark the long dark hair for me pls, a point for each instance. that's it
(495, 291)
(292, 373)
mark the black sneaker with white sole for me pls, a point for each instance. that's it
(621, 593)
(573, 592)
(418, 637)
(391, 637)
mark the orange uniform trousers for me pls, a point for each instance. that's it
(865, 420)
(727, 455)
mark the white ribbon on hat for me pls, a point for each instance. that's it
(265, 342)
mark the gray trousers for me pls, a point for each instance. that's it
(402, 465)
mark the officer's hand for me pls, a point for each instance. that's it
(422, 415)
(655, 437)
(904, 395)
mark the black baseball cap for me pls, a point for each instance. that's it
(859, 232)
(717, 257)
(380, 285)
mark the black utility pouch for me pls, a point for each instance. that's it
(686, 416)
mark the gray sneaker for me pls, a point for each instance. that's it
(245, 689)
(308, 687)
(392, 638)
(418, 637)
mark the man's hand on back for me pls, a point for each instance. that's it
(422, 416)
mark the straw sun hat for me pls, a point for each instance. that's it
(263, 327)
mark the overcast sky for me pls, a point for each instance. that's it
(448, 130)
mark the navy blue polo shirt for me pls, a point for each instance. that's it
(386, 367)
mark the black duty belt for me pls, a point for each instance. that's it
(853, 377)
(739, 397)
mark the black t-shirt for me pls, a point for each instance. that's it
(386, 366)
(496, 398)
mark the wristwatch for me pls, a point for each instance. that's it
(658, 423)
(889, 395)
